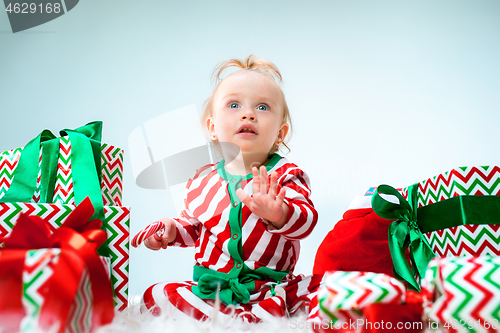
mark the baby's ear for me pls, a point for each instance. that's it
(210, 126)
(283, 131)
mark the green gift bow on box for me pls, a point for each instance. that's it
(412, 222)
(85, 168)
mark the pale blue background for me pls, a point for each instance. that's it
(379, 91)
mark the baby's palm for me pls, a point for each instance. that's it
(265, 201)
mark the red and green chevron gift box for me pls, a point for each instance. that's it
(463, 294)
(463, 240)
(111, 169)
(117, 220)
(38, 269)
(344, 294)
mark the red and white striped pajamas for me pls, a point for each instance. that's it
(233, 244)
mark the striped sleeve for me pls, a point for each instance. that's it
(188, 230)
(302, 216)
(187, 225)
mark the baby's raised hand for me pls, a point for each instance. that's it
(266, 202)
(161, 239)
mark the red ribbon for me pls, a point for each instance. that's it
(79, 241)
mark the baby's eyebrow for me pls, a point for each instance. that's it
(233, 95)
(237, 97)
(268, 102)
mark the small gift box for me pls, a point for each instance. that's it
(344, 295)
(116, 224)
(55, 281)
(456, 213)
(462, 294)
(59, 155)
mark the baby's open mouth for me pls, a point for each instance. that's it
(247, 130)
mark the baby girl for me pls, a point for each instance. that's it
(246, 214)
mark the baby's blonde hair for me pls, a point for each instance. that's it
(257, 65)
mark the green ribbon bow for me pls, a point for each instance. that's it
(233, 289)
(404, 233)
(407, 230)
(85, 165)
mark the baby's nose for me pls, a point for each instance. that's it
(248, 114)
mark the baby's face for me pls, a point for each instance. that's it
(248, 111)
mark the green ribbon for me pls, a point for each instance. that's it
(407, 230)
(24, 183)
(85, 165)
(404, 233)
(232, 289)
(460, 210)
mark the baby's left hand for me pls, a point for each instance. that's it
(265, 201)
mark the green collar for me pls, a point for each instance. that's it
(221, 170)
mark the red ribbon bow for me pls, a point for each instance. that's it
(78, 241)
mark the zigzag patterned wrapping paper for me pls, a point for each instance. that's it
(463, 294)
(112, 174)
(468, 240)
(345, 293)
(117, 219)
(38, 268)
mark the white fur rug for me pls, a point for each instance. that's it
(133, 321)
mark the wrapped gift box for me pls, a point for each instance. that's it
(462, 294)
(55, 280)
(464, 240)
(69, 168)
(38, 268)
(456, 213)
(117, 220)
(344, 295)
(111, 169)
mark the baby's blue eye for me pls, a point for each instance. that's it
(234, 105)
(262, 108)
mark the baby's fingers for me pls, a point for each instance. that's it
(263, 180)
(256, 180)
(281, 195)
(165, 235)
(152, 243)
(243, 196)
(273, 186)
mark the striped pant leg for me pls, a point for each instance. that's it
(301, 292)
(176, 300)
(298, 295)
